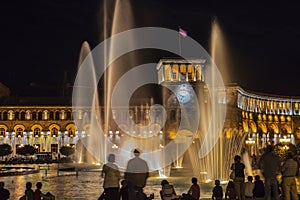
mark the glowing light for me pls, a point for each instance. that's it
(285, 140)
(285, 147)
(250, 141)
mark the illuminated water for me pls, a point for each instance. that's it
(88, 185)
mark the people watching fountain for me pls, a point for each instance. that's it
(111, 174)
(4, 193)
(249, 186)
(38, 193)
(29, 194)
(270, 165)
(167, 191)
(217, 192)
(259, 188)
(194, 191)
(239, 179)
(124, 190)
(136, 174)
(289, 171)
(230, 192)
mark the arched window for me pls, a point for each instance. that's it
(22, 115)
(69, 115)
(17, 115)
(40, 115)
(37, 132)
(28, 115)
(19, 132)
(71, 133)
(5, 116)
(51, 115)
(34, 116)
(57, 115)
(54, 132)
(2, 132)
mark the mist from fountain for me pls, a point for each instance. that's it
(210, 143)
(217, 146)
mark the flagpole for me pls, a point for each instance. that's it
(179, 40)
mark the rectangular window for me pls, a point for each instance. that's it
(54, 148)
(175, 72)
(168, 72)
(183, 72)
(191, 74)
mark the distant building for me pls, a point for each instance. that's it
(47, 123)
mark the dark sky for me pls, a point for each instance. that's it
(40, 40)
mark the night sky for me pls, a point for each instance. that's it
(41, 40)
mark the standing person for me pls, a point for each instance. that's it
(230, 192)
(259, 189)
(249, 186)
(124, 190)
(194, 190)
(136, 174)
(38, 193)
(112, 177)
(4, 193)
(270, 165)
(289, 172)
(239, 179)
(29, 194)
(217, 193)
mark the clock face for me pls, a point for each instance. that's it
(184, 94)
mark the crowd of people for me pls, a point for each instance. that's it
(135, 178)
(137, 172)
(271, 167)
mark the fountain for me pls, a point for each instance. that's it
(198, 138)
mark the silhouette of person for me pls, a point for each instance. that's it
(289, 171)
(111, 179)
(239, 180)
(29, 192)
(194, 191)
(259, 188)
(249, 186)
(4, 193)
(38, 193)
(230, 192)
(124, 190)
(217, 192)
(167, 191)
(136, 174)
(270, 165)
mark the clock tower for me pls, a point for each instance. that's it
(182, 84)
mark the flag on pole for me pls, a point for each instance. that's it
(182, 32)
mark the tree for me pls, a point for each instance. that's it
(26, 150)
(67, 150)
(281, 149)
(5, 149)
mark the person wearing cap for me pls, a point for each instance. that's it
(136, 174)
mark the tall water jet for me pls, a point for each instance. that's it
(229, 142)
(117, 16)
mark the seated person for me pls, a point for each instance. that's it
(230, 191)
(217, 193)
(167, 191)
